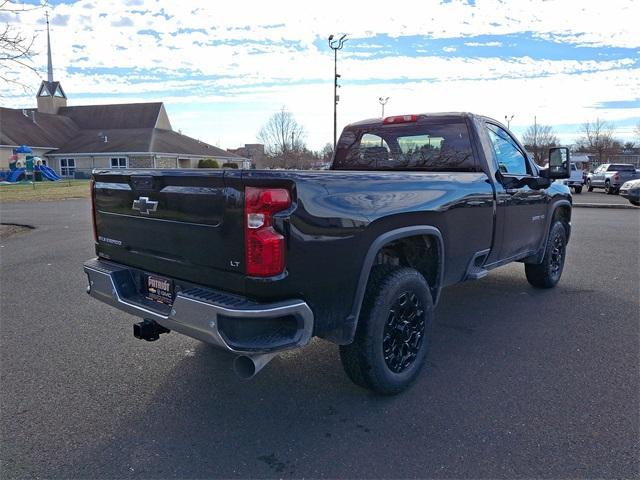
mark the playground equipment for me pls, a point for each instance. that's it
(16, 174)
(48, 173)
(24, 166)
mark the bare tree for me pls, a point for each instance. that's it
(538, 139)
(597, 137)
(283, 138)
(16, 49)
(326, 154)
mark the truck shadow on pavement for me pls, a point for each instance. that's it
(301, 416)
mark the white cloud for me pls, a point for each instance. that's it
(214, 62)
(483, 44)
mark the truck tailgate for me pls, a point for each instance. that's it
(179, 223)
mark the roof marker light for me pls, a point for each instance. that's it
(400, 119)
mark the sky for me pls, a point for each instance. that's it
(223, 68)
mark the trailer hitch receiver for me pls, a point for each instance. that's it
(148, 330)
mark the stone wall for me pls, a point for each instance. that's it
(141, 162)
(166, 162)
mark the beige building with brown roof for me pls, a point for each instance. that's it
(75, 139)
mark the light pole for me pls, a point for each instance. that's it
(335, 45)
(508, 120)
(383, 101)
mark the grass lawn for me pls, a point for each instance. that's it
(44, 191)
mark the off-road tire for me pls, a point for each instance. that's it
(547, 273)
(364, 360)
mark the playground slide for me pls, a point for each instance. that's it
(49, 173)
(15, 175)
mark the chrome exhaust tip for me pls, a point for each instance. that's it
(248, 366)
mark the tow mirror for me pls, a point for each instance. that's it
(559, 164)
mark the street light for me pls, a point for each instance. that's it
(383, 102)
(508, 120)
(335, 45)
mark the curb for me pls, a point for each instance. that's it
(619, 206)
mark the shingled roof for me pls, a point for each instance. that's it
(123, 115)
(29, 127)
(138, 140)
(101, 129)
(174, 142)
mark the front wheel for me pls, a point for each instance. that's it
(394, 329)
(547, 273)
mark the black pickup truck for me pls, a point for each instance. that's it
(260, 261)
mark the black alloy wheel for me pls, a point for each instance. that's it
(404, 332)
(558, 249)
(547, 273)
(394, 331)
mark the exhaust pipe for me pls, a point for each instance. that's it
(247, 366)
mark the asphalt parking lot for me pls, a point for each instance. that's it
(599, 196)
(520, 382)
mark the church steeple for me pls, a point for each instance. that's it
(49, 62)
(50, 95)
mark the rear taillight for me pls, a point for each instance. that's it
(92, 187)
(264, 246)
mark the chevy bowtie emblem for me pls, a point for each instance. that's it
(144, 205)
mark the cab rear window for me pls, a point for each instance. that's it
(423, 146)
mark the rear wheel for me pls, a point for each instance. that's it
(608, 188)
(392, 339)
(578, 189)
(547, 273)
(589, 187)
(635, 202)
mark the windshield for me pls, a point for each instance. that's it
(426, 146)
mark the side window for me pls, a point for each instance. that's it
(509, 157)
(119, 162)
(67, 167)
(369, 140)
(374, 150)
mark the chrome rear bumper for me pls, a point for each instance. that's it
(199, 312)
